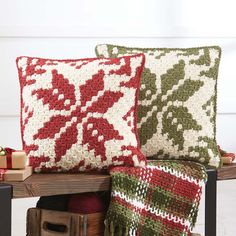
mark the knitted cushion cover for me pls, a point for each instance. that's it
(177, 101)
(80, 114)
(159, 199)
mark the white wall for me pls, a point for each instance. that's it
(72, 28)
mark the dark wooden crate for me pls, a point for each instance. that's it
(42, 222)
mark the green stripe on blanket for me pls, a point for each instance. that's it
(161, 199)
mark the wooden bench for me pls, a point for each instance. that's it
(227, 172)
(52, 184)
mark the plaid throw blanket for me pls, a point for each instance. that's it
(161, 199)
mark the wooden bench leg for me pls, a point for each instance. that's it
(5, 209)
(210, 204)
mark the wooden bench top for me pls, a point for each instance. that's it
(53, 184)
(227, 172)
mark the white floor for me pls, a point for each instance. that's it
(226, 216)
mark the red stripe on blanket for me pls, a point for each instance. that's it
(144, 213)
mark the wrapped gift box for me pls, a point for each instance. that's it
(15, 175)
(13, 160)
(228, 158)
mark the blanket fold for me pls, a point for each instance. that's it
(160, 199)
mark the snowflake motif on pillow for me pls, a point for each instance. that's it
(78, 115)
(177, 101)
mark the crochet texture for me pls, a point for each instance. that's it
(160, 199)
(177, 102)
(80, 114)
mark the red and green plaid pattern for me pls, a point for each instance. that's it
(161, 199)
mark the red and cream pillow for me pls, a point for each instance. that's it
(78, 115)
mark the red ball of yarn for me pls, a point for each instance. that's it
(86, 203)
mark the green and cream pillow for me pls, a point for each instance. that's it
(177, 101)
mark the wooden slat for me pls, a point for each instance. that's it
(227, 172)
(53, 184)
(33, 222)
